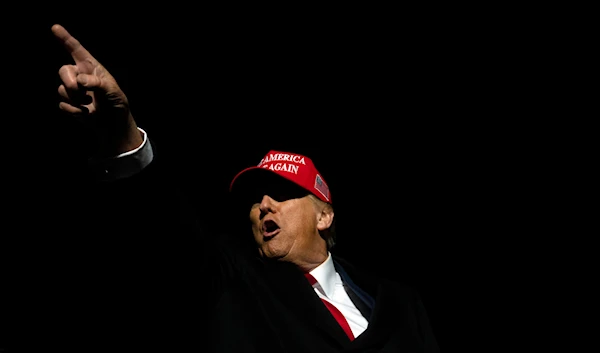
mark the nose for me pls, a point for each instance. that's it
(267, 205)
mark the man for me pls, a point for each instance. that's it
(275, 288)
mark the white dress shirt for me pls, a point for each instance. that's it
(330, 287)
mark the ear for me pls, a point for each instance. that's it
(325, 218)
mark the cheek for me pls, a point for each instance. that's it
(304, 224)
(253, 216)
(255, 225)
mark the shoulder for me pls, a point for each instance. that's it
(373, 281)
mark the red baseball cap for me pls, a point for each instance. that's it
(294, 167)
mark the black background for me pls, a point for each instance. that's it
(434, 162)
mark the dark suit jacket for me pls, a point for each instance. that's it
(270, 307)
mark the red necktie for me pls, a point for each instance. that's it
(334, 311)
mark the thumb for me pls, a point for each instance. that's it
(101, 84)
(90, 82)
(105, 86)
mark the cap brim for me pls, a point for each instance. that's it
(256, 180)
(243, 178)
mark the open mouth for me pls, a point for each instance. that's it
(270, 228)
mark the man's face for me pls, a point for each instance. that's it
(285, 227)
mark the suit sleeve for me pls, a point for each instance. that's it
(157, 213)
(118, 257)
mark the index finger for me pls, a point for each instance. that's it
(71, 44)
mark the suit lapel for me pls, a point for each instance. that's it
(379, 297)
(363, 301)
(291, 287)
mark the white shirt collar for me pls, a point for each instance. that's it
(325, 276)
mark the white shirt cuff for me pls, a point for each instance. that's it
(125, 164)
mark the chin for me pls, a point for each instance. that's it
(272, 254)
